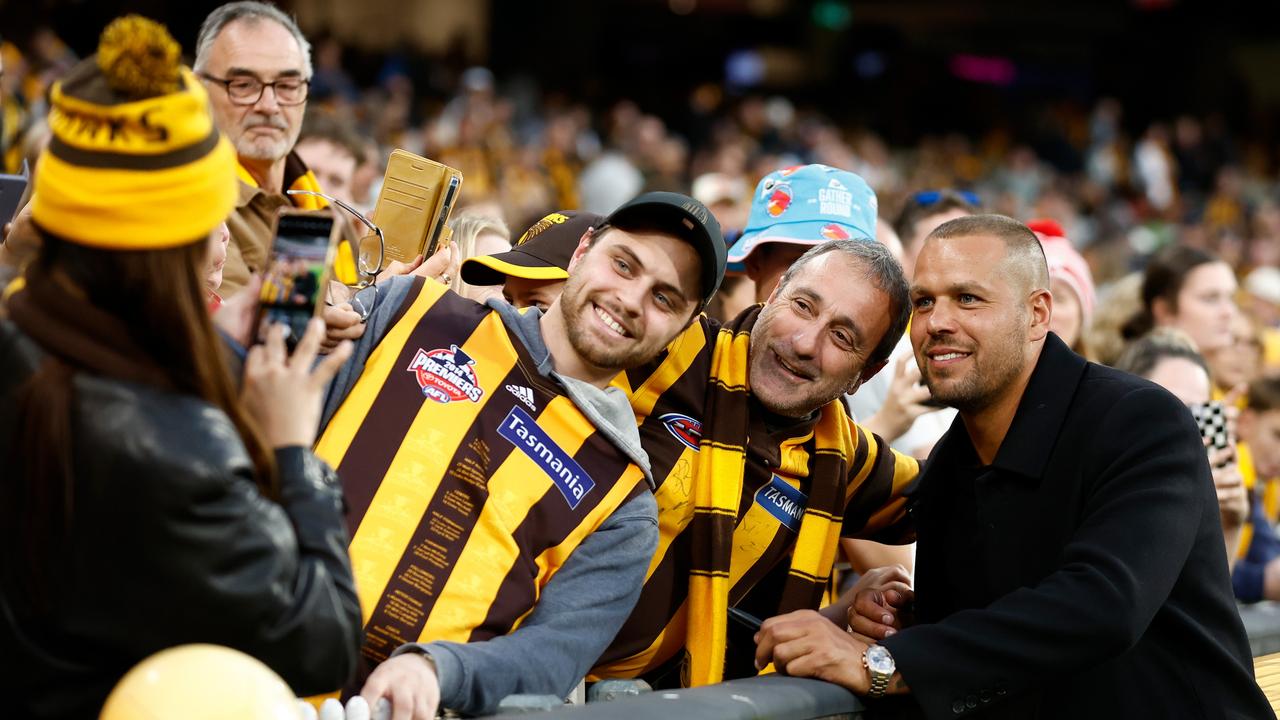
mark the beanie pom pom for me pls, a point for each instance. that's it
(139, 58)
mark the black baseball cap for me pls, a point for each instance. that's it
(543, 252)
(685, 218)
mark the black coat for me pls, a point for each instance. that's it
(172, 544)
(1083, 573)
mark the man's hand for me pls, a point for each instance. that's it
(441, 267)
(879, 608)
(805, 644)
(340, 323)
(409, 684)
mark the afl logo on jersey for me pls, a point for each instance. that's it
(446, 375)
(683, 428)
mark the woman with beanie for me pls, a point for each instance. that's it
(144, 501)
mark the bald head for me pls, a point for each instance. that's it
(1024, 256)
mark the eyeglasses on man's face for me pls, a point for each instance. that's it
(247, 90)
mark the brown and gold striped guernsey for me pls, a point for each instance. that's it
(669, 397)
(470, 477)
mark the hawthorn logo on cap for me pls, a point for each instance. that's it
(554, 218)
(779, 197)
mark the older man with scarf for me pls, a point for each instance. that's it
(760, 469)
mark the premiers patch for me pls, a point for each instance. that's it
(784, 502)
(683, 428)
(520, 430)
(446, 375)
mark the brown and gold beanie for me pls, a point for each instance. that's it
(135, 162)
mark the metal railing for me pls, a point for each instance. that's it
(787, 698)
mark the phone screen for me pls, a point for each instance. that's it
(1212, 419)
(293, 282)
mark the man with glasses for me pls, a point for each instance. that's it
(256, 65)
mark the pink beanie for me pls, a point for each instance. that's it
(1066, 264)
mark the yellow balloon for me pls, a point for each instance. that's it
(201, 682)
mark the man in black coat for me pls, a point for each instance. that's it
(1070, 555)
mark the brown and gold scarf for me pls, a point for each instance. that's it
(721, 464)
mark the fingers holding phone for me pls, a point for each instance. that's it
(283, 392)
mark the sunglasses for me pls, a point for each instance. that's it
(925, 198)
(365, 297)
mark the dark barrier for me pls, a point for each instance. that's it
(771, 696)
(786, 698)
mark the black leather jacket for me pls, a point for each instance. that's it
(172, 544)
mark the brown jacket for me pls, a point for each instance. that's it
(253, 221)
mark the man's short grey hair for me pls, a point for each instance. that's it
(882, 270)
(252, 12)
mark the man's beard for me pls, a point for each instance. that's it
(574, 305)
(980, 386)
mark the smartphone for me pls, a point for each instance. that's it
(12, 189)
(414, 204)
(297, 272)
(1212, 419)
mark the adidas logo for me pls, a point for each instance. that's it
(837, 185)
(523, 394)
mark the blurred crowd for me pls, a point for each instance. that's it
(1163, 244)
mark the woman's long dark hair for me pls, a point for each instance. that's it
(159, 296)
(1163, 279)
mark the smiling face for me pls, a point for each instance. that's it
(628, 295)
(975, 320)
(812, 340)
(264, 50)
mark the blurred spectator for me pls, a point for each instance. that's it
(1118, 303)
(1154, 168)
(1257, 573)
(478, 235)
(333, 152)
(149, 501)
(1071, 283)
(607, 182)
(925, 211)
(1235, 365)
(1188, 289)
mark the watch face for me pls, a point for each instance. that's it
(879, 660)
